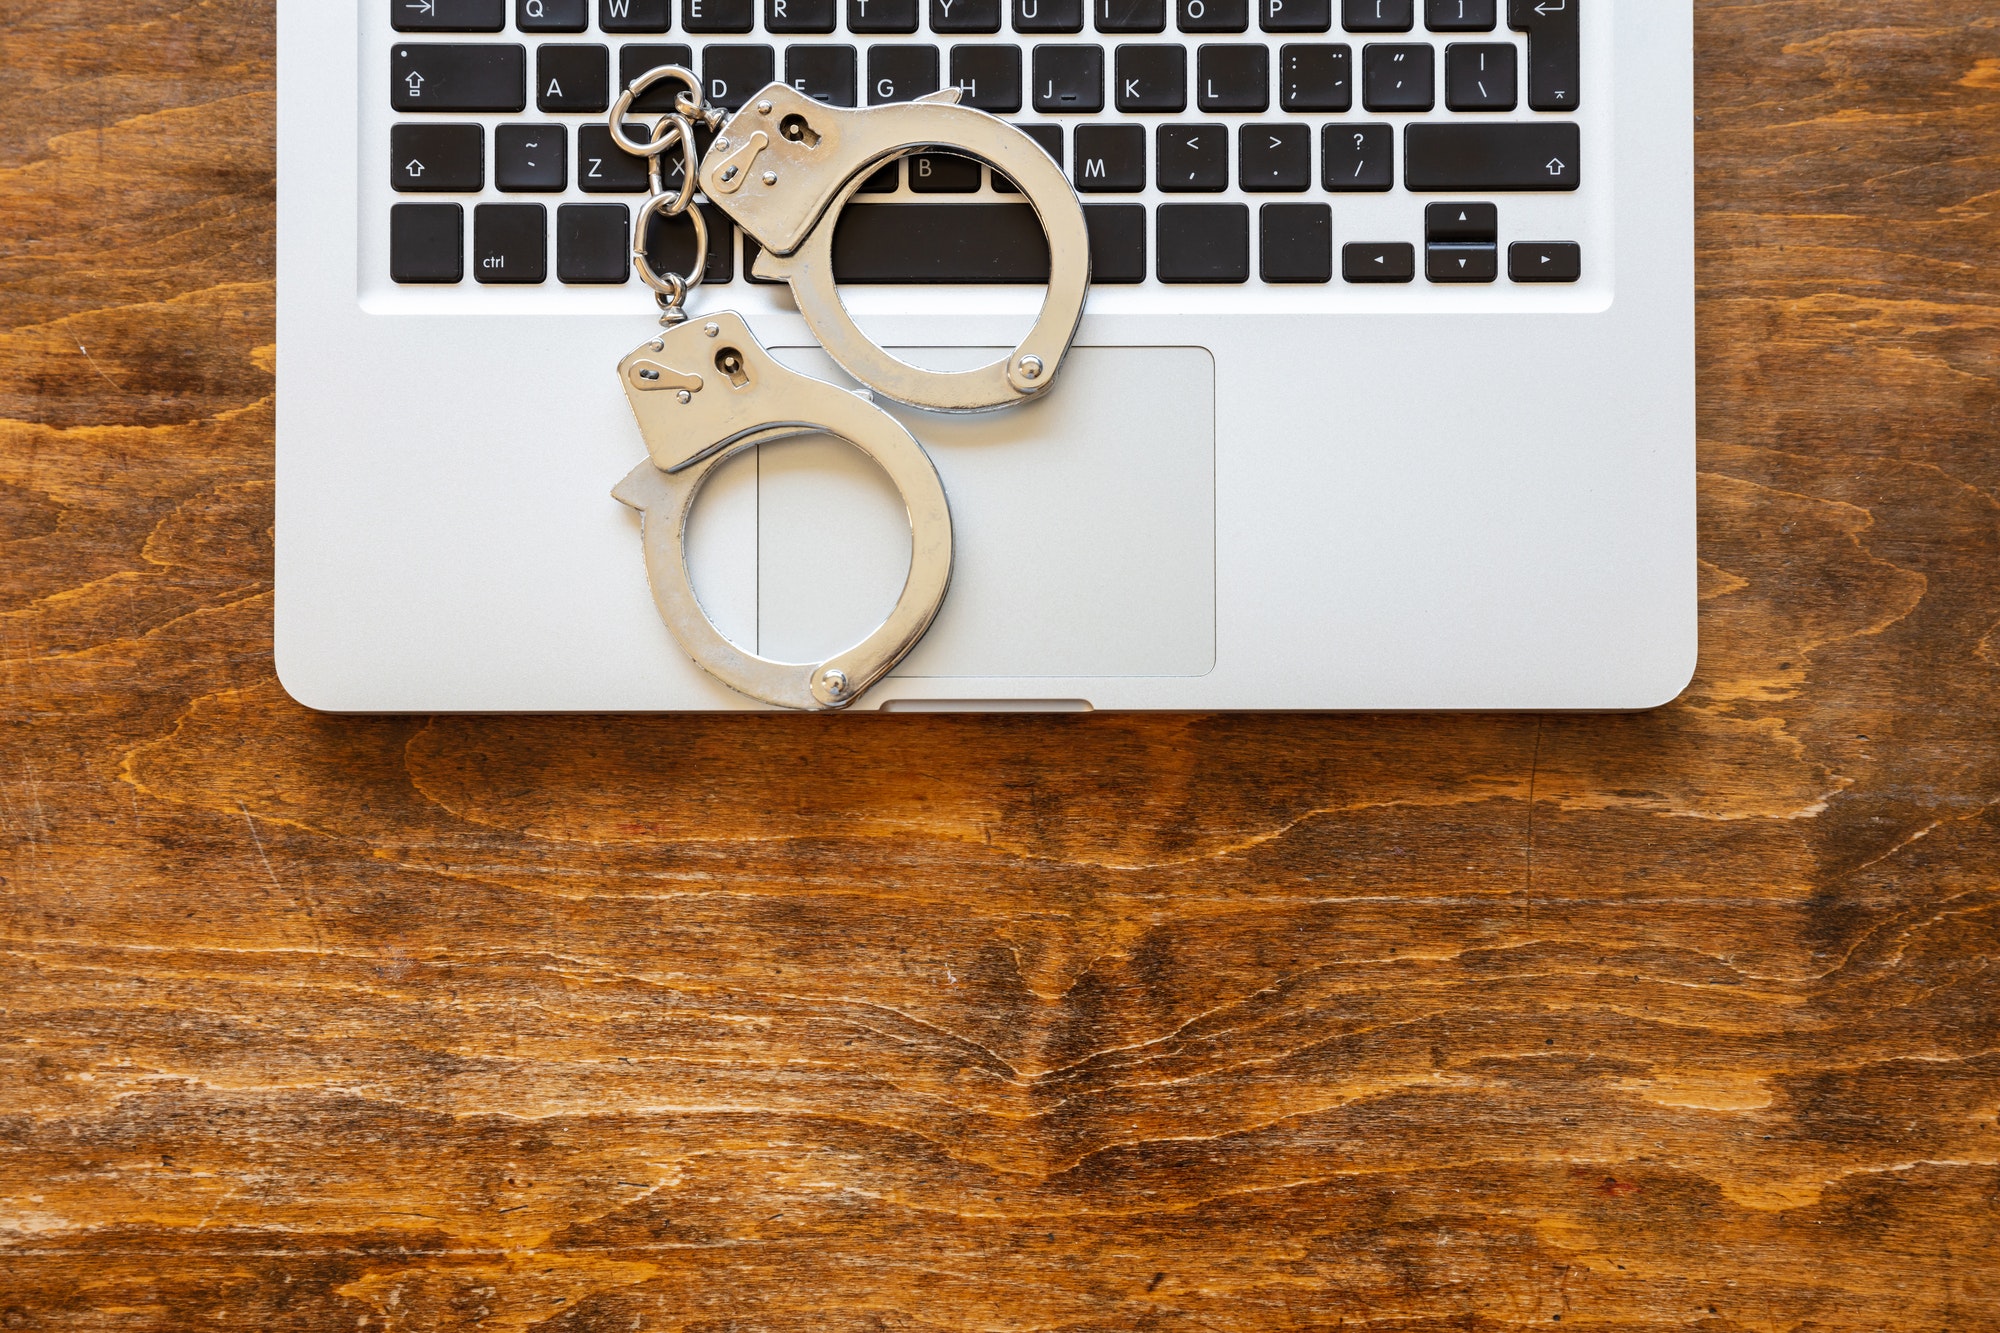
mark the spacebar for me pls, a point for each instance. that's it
(939, 243)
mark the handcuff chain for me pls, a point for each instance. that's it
(675, 129)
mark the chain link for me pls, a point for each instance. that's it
(673, 130)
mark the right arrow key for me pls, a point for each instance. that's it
(1555, 51)
(1545, 261)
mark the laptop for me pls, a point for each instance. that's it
(1383, 397)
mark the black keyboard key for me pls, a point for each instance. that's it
(718, 15)
(1131, 15)
(1069, 80)
(632, 15)
(929, 243)
(1555, 52)
(670, 245)
(510, 243)
(447, 15)
(965, 15)
(1274, 158)
(944, 173)
(1362, 262)
(1399, 78)
(1462, 222)
(1110, 159)
(572, 78)
(1048, 15)
(674, 164)
(884, 179)
(1204, 242)
(1213, 15)
(799, 16)
(730, 74)
(1050, 137)
(1461, 15)
(641, 58)
(1481, 76)
(1483, 157)
(822, 72)
(1358, 158)
(602, 167)
(988, 76)
(427, 243)
(882, 16)
(1457, 262)
(901, 73)
(594, 244)
(1117, 242)
(552, 15)
(1378, 15)
(1545, 261)
(531, 159)
(442, 159)
(1151, 78)
(443, 77)
(1295, 15)
(1193, 158)
(1315, 76)
(1233, 78)
(1295, 242)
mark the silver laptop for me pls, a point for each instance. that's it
(1383, 399)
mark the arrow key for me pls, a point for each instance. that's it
(437, 159)
(1460, 262)
(1374, 262)
(1545, 261)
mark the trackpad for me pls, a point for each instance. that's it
(1084, 524)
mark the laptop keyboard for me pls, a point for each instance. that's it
(1288, 106)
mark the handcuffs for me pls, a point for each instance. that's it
(782, 168)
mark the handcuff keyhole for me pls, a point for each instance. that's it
(730, 362)
(795, 128)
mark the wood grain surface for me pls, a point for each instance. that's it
(758, 1024)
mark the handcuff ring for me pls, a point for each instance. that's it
(703, 393)
(822, 155)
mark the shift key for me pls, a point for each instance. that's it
(439, 76)
(1535, 155)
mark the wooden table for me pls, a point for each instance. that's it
(748, 1024)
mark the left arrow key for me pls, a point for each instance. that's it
(447, 15)
(437, 159)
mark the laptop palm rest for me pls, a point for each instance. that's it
(1084, 525)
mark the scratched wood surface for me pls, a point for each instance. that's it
(746, 1025)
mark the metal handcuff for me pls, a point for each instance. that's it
(782, 168)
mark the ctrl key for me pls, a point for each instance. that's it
(510, 243)
(427, 243)
(1545, 261)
